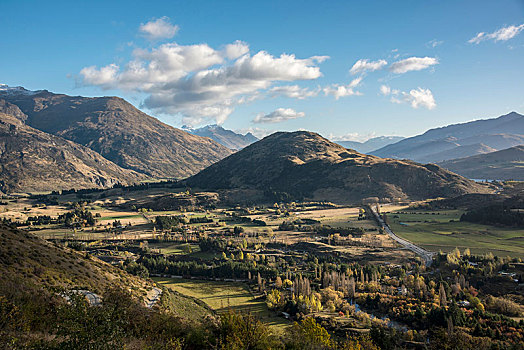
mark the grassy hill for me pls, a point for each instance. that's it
(305, 165)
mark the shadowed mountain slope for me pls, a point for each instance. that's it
(32, 160)
(507, 164)
(118, 131)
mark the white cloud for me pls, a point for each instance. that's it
(352, 136)
(339, 91)
(503, 34)
(416, 97)
(277, 116)
(412, 64)
(149, 69)
(420, 98)
(294, 91)
(105, 76)
(216, 91)
(236, 49)
(201, 83)
(158, 29)
(434, 43)
(385, 90)
(258, 132)
(364, 65)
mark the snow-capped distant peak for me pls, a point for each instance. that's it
(16, 90)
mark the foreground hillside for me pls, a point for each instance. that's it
(118, 131)
(459, 140)
(305, 165)
(32, 160)
(35, 278)
(28, 262)
(507, 164)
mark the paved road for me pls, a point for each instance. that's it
(426, 255)
(153, 296)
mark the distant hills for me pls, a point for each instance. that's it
(459, 140)
(507, 164)
(371, 144)
(304, 165)
(227, 138)
(118, 131)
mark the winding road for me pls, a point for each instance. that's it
(426, 255)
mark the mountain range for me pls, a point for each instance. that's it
(371, 144)
(118, 131)
(507, 164)
(304, 165)
(459, 140)
(54, 141)
(32, 160)
(228, 138)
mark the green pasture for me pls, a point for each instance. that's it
(444, 231)
(222, 296)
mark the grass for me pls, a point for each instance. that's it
(120, 217)
(221, 296)
(184, 306)
(169, 248)
(436, 232)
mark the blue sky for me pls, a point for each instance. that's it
(267, 66)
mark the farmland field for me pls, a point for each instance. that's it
(443, 230)
(221, 296)
(170, 248)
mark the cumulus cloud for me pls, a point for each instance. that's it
(201, 83)
(158, 29)
(149, 69)
(385, 90)
(420, 98)
(236, 49)
(277, 116)
(216, 91)
(294, 91)
(364, 65)
(104, 76)
(339, 91)
(412, 64)
(416, 97)
(503, 34)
